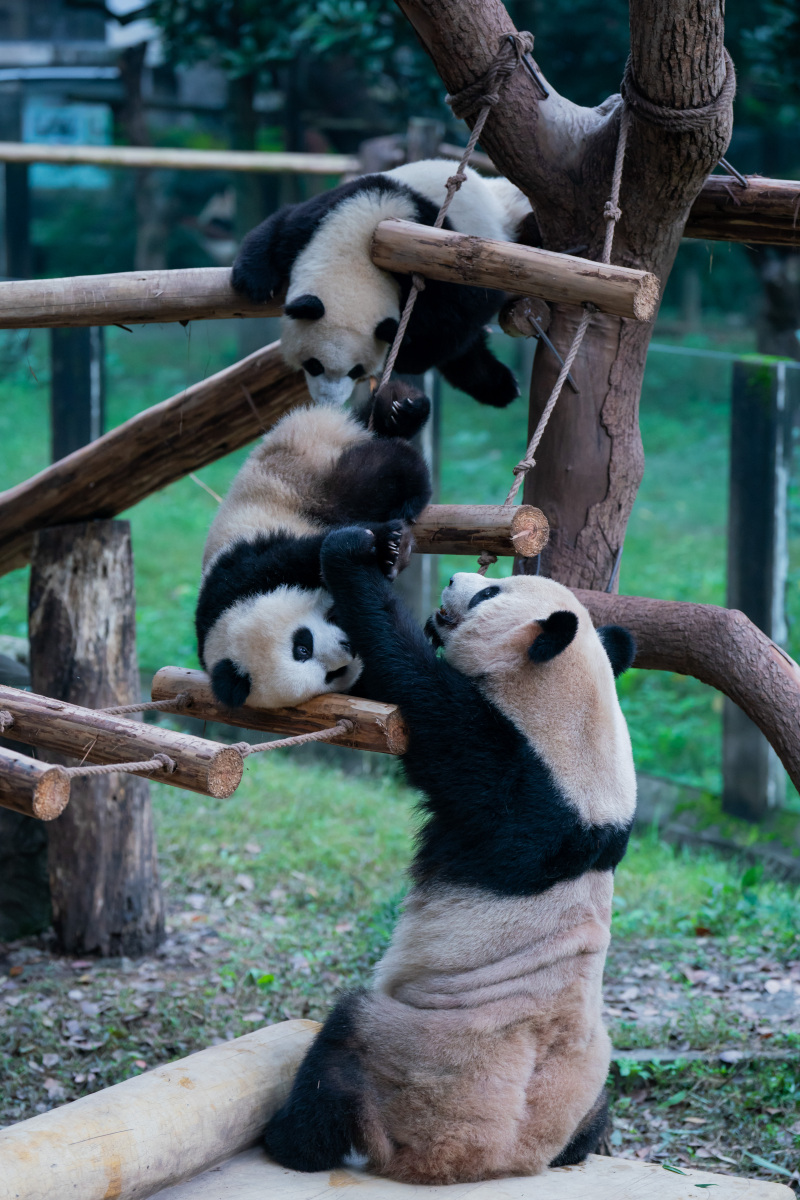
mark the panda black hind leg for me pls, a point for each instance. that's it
(587, 1136)
(477, 372)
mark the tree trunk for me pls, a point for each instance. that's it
(103, 868)
(590, 461)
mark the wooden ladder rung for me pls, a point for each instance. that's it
(37, 789)
(469, 528)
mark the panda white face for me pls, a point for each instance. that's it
(333, 357)
(285, 645)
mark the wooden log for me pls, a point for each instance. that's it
(763, 213)
(469, 528)
(718, 646)
(102, 859)
(131, 1140)
(525, 270)
(152, 449)
(378, 727)
(174, 159)
(126, 298)
(34, 788)
(85, 734)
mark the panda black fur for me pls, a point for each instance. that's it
(480, 1051)
(264, 624)
(342, 311)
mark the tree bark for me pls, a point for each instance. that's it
(562, 156)
(103, 867)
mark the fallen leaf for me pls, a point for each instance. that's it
(245, 882)
(54, 1089)
(675, 1170)
(50, 1060)
(703, 931)
(16, 971)
(731, 1056)
(75, 994)
(140, 1063)
(252, 847)
(345, 927)
(761, 1162)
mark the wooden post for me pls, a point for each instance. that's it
(19, 259)
(103, 868)
(418, 583)
(77, 388)
(753, 778)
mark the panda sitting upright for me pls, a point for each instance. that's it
(341, 311)
(265, 627)
(480, 1051)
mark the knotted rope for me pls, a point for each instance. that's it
(480, 95)
(678, 120)
(320, 735)
(159, 762)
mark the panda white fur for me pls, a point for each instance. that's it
(341, 311)
(480, 1050)
(265, 631)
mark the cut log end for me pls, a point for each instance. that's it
(645, 302)
(530, 531)
(51, 795)
(225, 773)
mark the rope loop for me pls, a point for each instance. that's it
(419, 282)
(340, 729)
(678, 120)
(486, 90)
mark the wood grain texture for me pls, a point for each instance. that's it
(378, 727)
(469, 528)
(131, 1140)
(718, 646)
(766, 212)
(197, 426)
(31, 787)
(174, 159)
(405, 247)
(94, 737)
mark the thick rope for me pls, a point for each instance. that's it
(678, 120)
(159, 762)
(6, 720)
(320, 735)
(480, 95)
(182, 700)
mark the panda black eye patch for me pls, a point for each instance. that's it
(357, 371)
(485, 594)
(302, 644)
(313, 366)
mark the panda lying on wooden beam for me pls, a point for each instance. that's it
(480, 1051)
(342, 312)
(266, 631)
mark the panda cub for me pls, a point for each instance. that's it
(264, 622)
(342, 312)
(480, 1050)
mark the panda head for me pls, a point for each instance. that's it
(278, 649)
(532, 650)
(334, 355)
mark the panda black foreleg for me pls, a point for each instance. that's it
(477, 372)
(319, 1123)
(399, 409)
(587, 1136)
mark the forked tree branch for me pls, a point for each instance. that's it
(718, 646)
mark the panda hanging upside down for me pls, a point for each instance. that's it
(342, 312)
(266, 630)
(480, 1050)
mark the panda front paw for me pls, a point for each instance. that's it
(399, 410)
(393, 546)
(345, 547)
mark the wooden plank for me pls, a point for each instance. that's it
(126, 298)
(151, 450)
(95, 737)
(172, 158)
(523, 270)
(34, 788)
(469, 528)
(765, 212)
(378, 727)
(141, 1135)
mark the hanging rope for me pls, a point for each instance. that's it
(182, 700)
(320, 735)
(611, 215)
(159, 762)
(480, 96)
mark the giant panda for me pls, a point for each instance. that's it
(264, 622)
(341, 311)
(480, 1051)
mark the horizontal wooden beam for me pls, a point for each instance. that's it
(718, 646)
(172, 158)
(525, 270)
(126, 298)
(199, 425)
(97, 737)
(469, 528)
(766, 211)
(377, 727)
(34, 788)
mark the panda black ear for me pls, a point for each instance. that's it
(620, 646)
(386, 330)
(558, 630)
(305, 308)
(230, 685)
